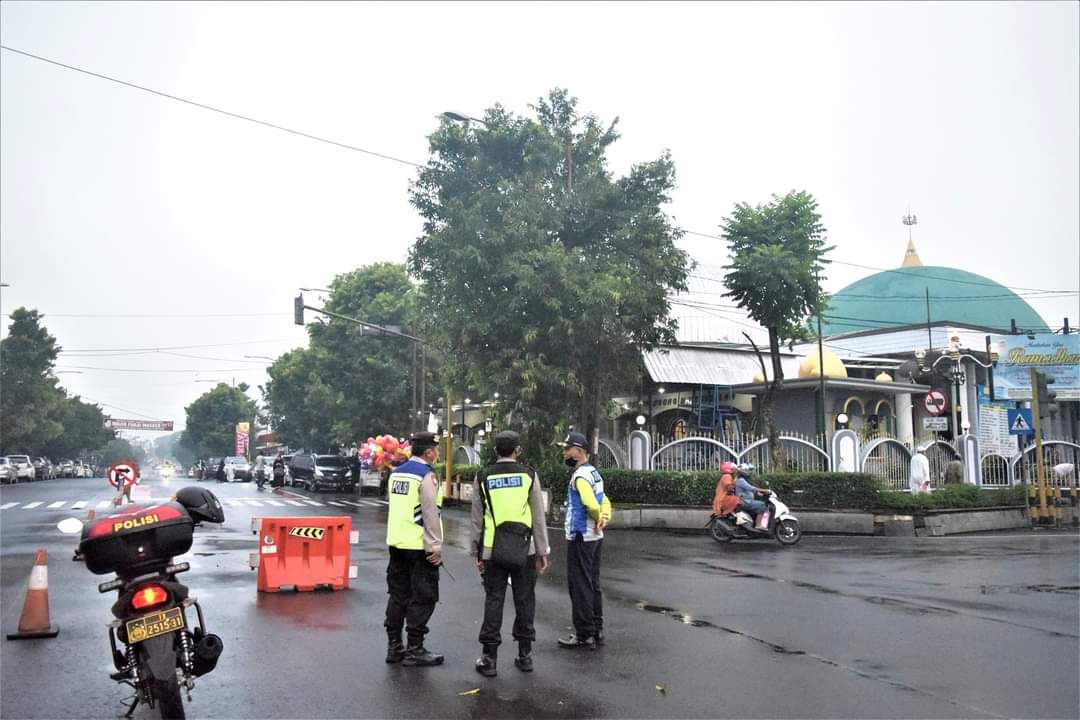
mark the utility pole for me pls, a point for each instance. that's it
(1036, 416)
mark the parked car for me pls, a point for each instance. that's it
(42, 468)
(24, 467)
(67, 468)
(317, 472)
(240, 467)
(8, 473)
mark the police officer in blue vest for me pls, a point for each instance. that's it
(508, 492)
(588, 511)
(414, 535)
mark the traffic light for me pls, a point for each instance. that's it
(1046, 396)
(298, 309)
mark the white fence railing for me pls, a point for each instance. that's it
(885, 457)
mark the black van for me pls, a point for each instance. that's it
(319, 472)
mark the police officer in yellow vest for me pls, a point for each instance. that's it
(508, 492)
(414, 534)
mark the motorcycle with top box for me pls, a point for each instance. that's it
(162, 652)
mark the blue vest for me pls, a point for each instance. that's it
(577, 515)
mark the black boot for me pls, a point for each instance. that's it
(485, 664)
(418, 656)
(395, 649)
(523, 661)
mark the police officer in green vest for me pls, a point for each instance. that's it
(507, 492)
(414, 534)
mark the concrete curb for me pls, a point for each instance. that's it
(840, 522)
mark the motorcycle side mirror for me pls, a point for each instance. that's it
(70, 526)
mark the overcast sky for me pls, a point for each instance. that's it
(116, 202)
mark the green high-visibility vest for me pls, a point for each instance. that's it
(405, 522)
(508, 487)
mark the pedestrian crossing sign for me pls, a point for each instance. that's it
(1020, 422)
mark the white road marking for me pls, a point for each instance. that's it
(350, 502)
(235, 503)
(31, 506)
(5, 506)
(274, 503)
(335, 503)
(104, 503)
(314, 502)
(79, 505)
(294, 502)
(256, 503)
(383, 502)
(58, 503)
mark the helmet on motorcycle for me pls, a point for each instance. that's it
(727, 468)
(747, 467)
(201, 504)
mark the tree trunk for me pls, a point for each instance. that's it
(776, 449)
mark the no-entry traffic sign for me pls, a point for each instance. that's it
(936, 403)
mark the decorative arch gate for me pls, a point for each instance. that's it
(996, 471)
(1055, 452)
(701, 453)
(692, 453)
(802, 455)
(940, 454)
(890, 460)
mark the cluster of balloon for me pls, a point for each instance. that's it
(383, 452)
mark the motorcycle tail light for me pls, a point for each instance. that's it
(149, 596)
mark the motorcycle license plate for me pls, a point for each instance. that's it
(154, 624)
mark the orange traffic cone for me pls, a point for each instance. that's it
(34, 622)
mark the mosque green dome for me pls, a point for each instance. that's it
(894, 298)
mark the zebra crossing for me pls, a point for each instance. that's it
(235, 502)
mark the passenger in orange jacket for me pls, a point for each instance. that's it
(725, 500)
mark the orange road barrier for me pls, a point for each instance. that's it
(304, 552)
(34, 622)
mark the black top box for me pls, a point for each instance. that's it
(136, 536)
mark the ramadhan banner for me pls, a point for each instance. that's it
(1056, 355)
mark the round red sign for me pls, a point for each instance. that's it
(126, 473)
(936, 403)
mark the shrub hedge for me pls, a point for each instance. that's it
(825, 490)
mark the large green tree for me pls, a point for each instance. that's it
(543, 274)
(31, 402)
(119, 449)
(210, 428)
(352, 381)
(777, 257)
(84, 430)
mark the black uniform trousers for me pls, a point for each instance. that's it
(413, 585)
(523, 583)
(583, 577)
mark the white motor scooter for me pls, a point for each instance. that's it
(775, 521)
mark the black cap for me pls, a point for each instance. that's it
(506, 442)
(421, 441)
(575, 439)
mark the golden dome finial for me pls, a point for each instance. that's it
(911, 258)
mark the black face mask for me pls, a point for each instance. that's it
(570, 462)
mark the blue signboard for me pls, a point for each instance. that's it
(1020, 422)
(1056, 355)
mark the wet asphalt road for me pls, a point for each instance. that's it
(976, 626)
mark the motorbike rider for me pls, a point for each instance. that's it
(278, 471)
(747, 493)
